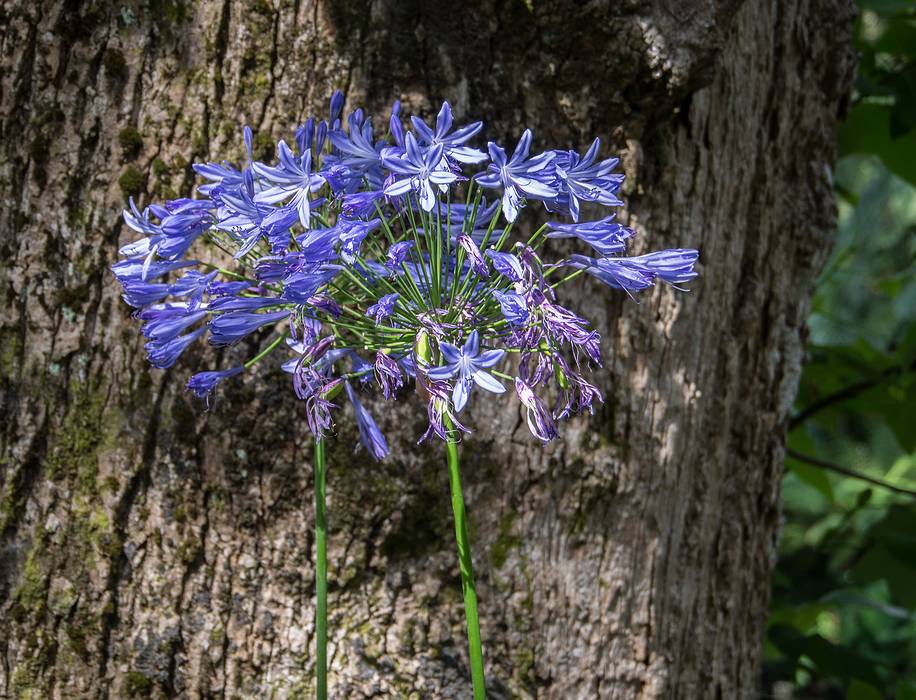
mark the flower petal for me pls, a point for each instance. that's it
(486, 381)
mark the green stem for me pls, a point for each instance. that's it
(321, 575)
(464, 561)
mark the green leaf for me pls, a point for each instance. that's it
(840, 662)
(880, 564)
(813, 476)
(863, 691)
(867, 129)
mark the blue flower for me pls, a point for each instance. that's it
(193, 284)
(604, 235)
(137, 269)
(383, 308)
(359, 155)
(302, 284)
(419, 171)
(540, 422)
(674, 266)
(513, 306)
(202, 383)
(360, 205)
(506, 264)
(369, 434)
(637, 273)
(462, 216)
(139, 294)
(292, 180)
(162, 354)
(229, 328)
(474, 257)
(166, 321)
(468, 364)
(397, 254)
(583, 179)
(318, 245)
(517, 176)
(453, 143)
(388, 374)
(352, 234)
(250, 221)
(335, 106)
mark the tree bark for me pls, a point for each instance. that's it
(153, 549)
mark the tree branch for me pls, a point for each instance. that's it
(845, 471)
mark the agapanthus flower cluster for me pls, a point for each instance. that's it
(386, 257)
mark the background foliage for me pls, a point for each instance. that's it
(843, 618)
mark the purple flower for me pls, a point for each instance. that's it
(359, 205)
(318, 408)
(233, 303)
(336, 106)
(229, 328)
(250, 222)
(675, 266)
(540, 422)
(193, 285)
(397, 254)
(634, 274)
(513, 306)
(139, 294)
(137, 269)
(583, 179)
(300, 286)
(419, 171)
(317, 245)
(605, 236)
(383, 308)
(395, 128)
(506, 264)
(579, 394)
(166, 321)
(326, 303)
(359, 155)
(223, 176)
(369, 434)
(352, 233)
(202, 383)
(562, 325)
(292, 180)
(618, 273)
(304, 232)
(474, 257)
(517, 176)
(437, 408)
(163, 353)
(311, 354)
(453, 143)
(388, 374)
(468, 363)
(361, 368)
(461, 219)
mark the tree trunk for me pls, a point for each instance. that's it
(153, 549)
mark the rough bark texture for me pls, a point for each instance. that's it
(153, 550)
